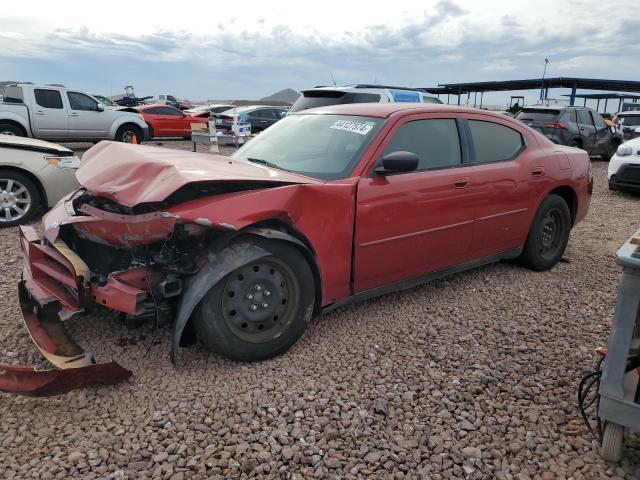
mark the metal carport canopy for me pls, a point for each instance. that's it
(534, 84)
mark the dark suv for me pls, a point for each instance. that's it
(579, 127)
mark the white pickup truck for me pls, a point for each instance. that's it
(61, 114)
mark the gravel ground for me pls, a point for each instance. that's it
(473, 376)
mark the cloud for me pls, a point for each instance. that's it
(442, 43)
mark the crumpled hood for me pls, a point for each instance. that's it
(134, 174)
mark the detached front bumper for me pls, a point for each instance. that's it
(55, 286)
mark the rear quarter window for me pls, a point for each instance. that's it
(494, 142)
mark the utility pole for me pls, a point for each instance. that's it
(546, 61)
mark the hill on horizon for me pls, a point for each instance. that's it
(288, 95)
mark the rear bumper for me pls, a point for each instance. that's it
(54, 288)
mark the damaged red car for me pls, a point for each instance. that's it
(327, 207)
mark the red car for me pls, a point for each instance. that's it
(168, 121)
(327, 207)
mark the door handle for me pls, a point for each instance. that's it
(38, 112)
(263, 121)
(461, 182)
(537, 172)
(73, 114)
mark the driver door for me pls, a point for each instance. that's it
(414, 223)
(85, 120)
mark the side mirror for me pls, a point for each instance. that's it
(100, 107)
(399, 161)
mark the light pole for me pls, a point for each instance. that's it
(546, 61)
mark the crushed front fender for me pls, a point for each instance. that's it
(76, 367)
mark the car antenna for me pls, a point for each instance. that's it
(334, 80)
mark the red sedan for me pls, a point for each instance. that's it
(327, 207)
(168, 121)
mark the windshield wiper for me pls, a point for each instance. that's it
(266, 163)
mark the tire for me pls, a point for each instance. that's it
(548, 235)
(612, 442)
(260, 310)
(125, 133)
(10, 129)
(19, 198)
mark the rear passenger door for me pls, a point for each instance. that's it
(414, 223)
(49, 117)
(505, 185)
(587, 130)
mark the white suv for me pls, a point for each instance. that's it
(624, 167)
(362, 93)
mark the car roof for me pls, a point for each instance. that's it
(246, 108)
(343, 88)
(385, 110)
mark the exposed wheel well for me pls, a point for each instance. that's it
(570, 197)
(15, 124)
(43, 195)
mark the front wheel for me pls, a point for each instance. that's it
(260, 310)
(548, 235)
(19, 198)
(126, 134)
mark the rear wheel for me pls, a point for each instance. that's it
(260, 310)
(548, 235)
(19, 198)
(10, 129)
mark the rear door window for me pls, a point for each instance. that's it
(436, 142)
(48, 98)
(494, 142)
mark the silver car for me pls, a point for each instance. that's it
(34, 174)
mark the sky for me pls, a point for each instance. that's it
(203, 49)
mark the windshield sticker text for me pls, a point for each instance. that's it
(355, 127)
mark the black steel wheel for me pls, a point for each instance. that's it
(548, 235)
(261, 309)
(259, 300)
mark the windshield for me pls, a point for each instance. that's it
(326, 147)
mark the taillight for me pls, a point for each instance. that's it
(558, 125)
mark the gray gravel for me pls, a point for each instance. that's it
(473, 376)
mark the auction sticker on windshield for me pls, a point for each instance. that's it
(355, 127)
